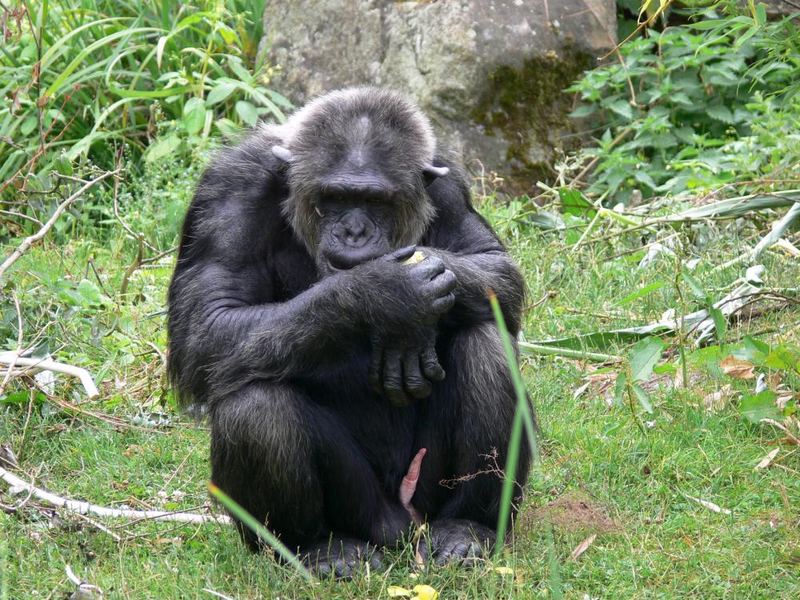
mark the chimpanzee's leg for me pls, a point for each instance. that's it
(292, 464)
(466, 426)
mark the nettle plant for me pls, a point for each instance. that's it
(693, 107)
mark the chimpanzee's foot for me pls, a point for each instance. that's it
(457, 541)
(341, 557)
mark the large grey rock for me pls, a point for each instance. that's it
(489, 73)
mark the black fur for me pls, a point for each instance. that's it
(293, 317)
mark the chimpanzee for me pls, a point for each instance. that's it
(329, 308)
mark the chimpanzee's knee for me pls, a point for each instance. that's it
(262, 456)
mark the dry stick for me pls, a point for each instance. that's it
(86, 508)
(29, 241)
(15, 360)
(773, 237)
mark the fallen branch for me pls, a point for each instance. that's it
(86, 508)
(13, 359)
(31, 240)
(543, 350)
(774, 236)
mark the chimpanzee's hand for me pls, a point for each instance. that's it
(406, 372)
(397, 297)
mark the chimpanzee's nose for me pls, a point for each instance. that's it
(355, 229)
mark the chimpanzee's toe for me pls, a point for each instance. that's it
(457, 541)
(340, 557)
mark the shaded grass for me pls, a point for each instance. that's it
(653, 540)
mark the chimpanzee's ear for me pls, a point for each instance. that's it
(284, 154)
(431, 173)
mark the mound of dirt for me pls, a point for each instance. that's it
(572, 511)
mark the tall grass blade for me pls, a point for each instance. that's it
(265, 534)
(523, 418)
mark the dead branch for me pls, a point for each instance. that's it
(13, 359)
(86, 508)
(30, 240)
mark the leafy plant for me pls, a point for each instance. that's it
(81, 78)
(639, 367)
(695, 106)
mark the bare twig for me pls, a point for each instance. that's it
(100, 527)
(217, 594)
(790, 436)
(30, 240)
(44, 364)
(86, 508)
(19, 215)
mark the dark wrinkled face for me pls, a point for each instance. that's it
(354, 227)
(357, 174)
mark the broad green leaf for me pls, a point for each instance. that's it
(619, 388)
(239, 70)
(584, 110)
(162, 147)
(194, 115)
(28, 125)
(227, 127)
(709, 24)
(783, 358)
(641, 292)
(761, 14)
(755, 407)
(247, 112)
(753, 350)
(720, 112)
(720, 323)
(279, 99)
(643, 357)
(622, 108)
(90, 294)
(573, 203)
(220, 92)
(694, 285)
(644, 177)
(643, 397)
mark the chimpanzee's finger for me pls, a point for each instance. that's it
(443, 284)
(400, 254)
(415, 384)
(431, 368)
(430, 267)
(442, 305)
(393, 378)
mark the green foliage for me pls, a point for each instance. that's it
(696, 106)
(81, 78)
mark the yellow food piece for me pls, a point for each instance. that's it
(415, 258)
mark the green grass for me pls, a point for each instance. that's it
(599, 473)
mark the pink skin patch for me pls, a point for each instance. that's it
(409, 485)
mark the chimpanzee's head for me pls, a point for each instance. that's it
(358, 163)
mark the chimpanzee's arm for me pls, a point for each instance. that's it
(227, 322)
(403, 369)
(472, 251)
